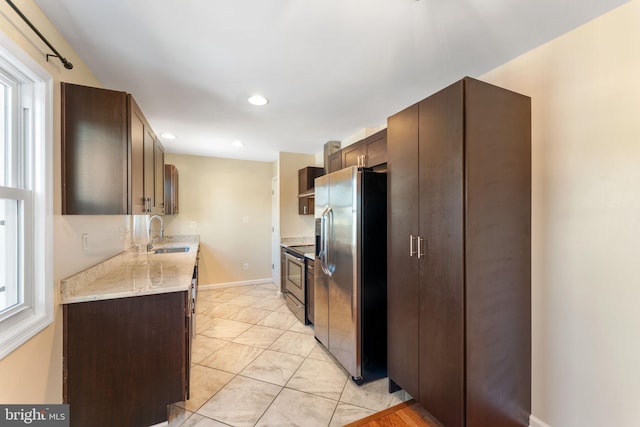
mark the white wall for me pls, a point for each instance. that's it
(230, 203)
(585, 89)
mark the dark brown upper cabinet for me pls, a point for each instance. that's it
(306, 184)
(459, 254)
(171, 205)
(147, 164)
(369, 152)
(95, 151)
(335, 161)
(112, 162)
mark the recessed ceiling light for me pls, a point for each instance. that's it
(258, 100)
(167, 135)
(237, 144)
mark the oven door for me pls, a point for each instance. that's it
(295, 276)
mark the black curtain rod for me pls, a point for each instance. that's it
(68, 65)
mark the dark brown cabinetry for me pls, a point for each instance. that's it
(94, 151)
(369, 152)
(335, 161)
(171, 205)
(126, 359)
(147, 164)
(306, 177)
(112, 162)
(459, 308)
(158, 175)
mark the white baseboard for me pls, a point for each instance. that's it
(240, 283)
(535, 422)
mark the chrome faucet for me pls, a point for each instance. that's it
(150, 244)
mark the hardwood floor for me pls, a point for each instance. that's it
(407, 414)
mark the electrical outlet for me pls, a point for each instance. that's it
(245, 266)
(245, 219)
(85, 242)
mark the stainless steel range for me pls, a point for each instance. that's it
(295, 279)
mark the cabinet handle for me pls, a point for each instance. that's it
(420, 249)
(412, 251)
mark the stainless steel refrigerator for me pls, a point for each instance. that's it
(351, 270)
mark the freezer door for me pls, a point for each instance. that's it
(321, 280)
(344, 342)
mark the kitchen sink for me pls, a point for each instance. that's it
(171, 250)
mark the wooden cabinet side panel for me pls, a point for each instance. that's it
(136, 166)
(94, 151)
(124, 359)
(442, 367)
(498, 228)
(402, 273)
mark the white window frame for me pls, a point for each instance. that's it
(35, 192)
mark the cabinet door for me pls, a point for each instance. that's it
(335, 161)
(351, 153)
(442, 367)
(129, 352)
(376, 149)
(306, 178)
(136, 143)
(158, 171)
(306, 206)
(402, 277)
(171, 190)
(149, 165)
(94, 151)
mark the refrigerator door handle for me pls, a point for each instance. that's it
(329, 233)
(322, 253)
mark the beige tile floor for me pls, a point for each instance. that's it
(255, 364)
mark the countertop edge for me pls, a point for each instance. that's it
(123, 275)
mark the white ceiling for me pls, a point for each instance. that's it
(328, 67)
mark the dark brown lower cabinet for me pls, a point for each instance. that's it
(459, 258)
(126, 359)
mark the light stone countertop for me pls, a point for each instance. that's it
(135, 273)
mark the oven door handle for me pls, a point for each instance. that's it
(294, 258)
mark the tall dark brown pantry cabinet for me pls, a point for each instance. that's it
(459, 304)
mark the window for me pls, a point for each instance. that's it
(26, 278)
